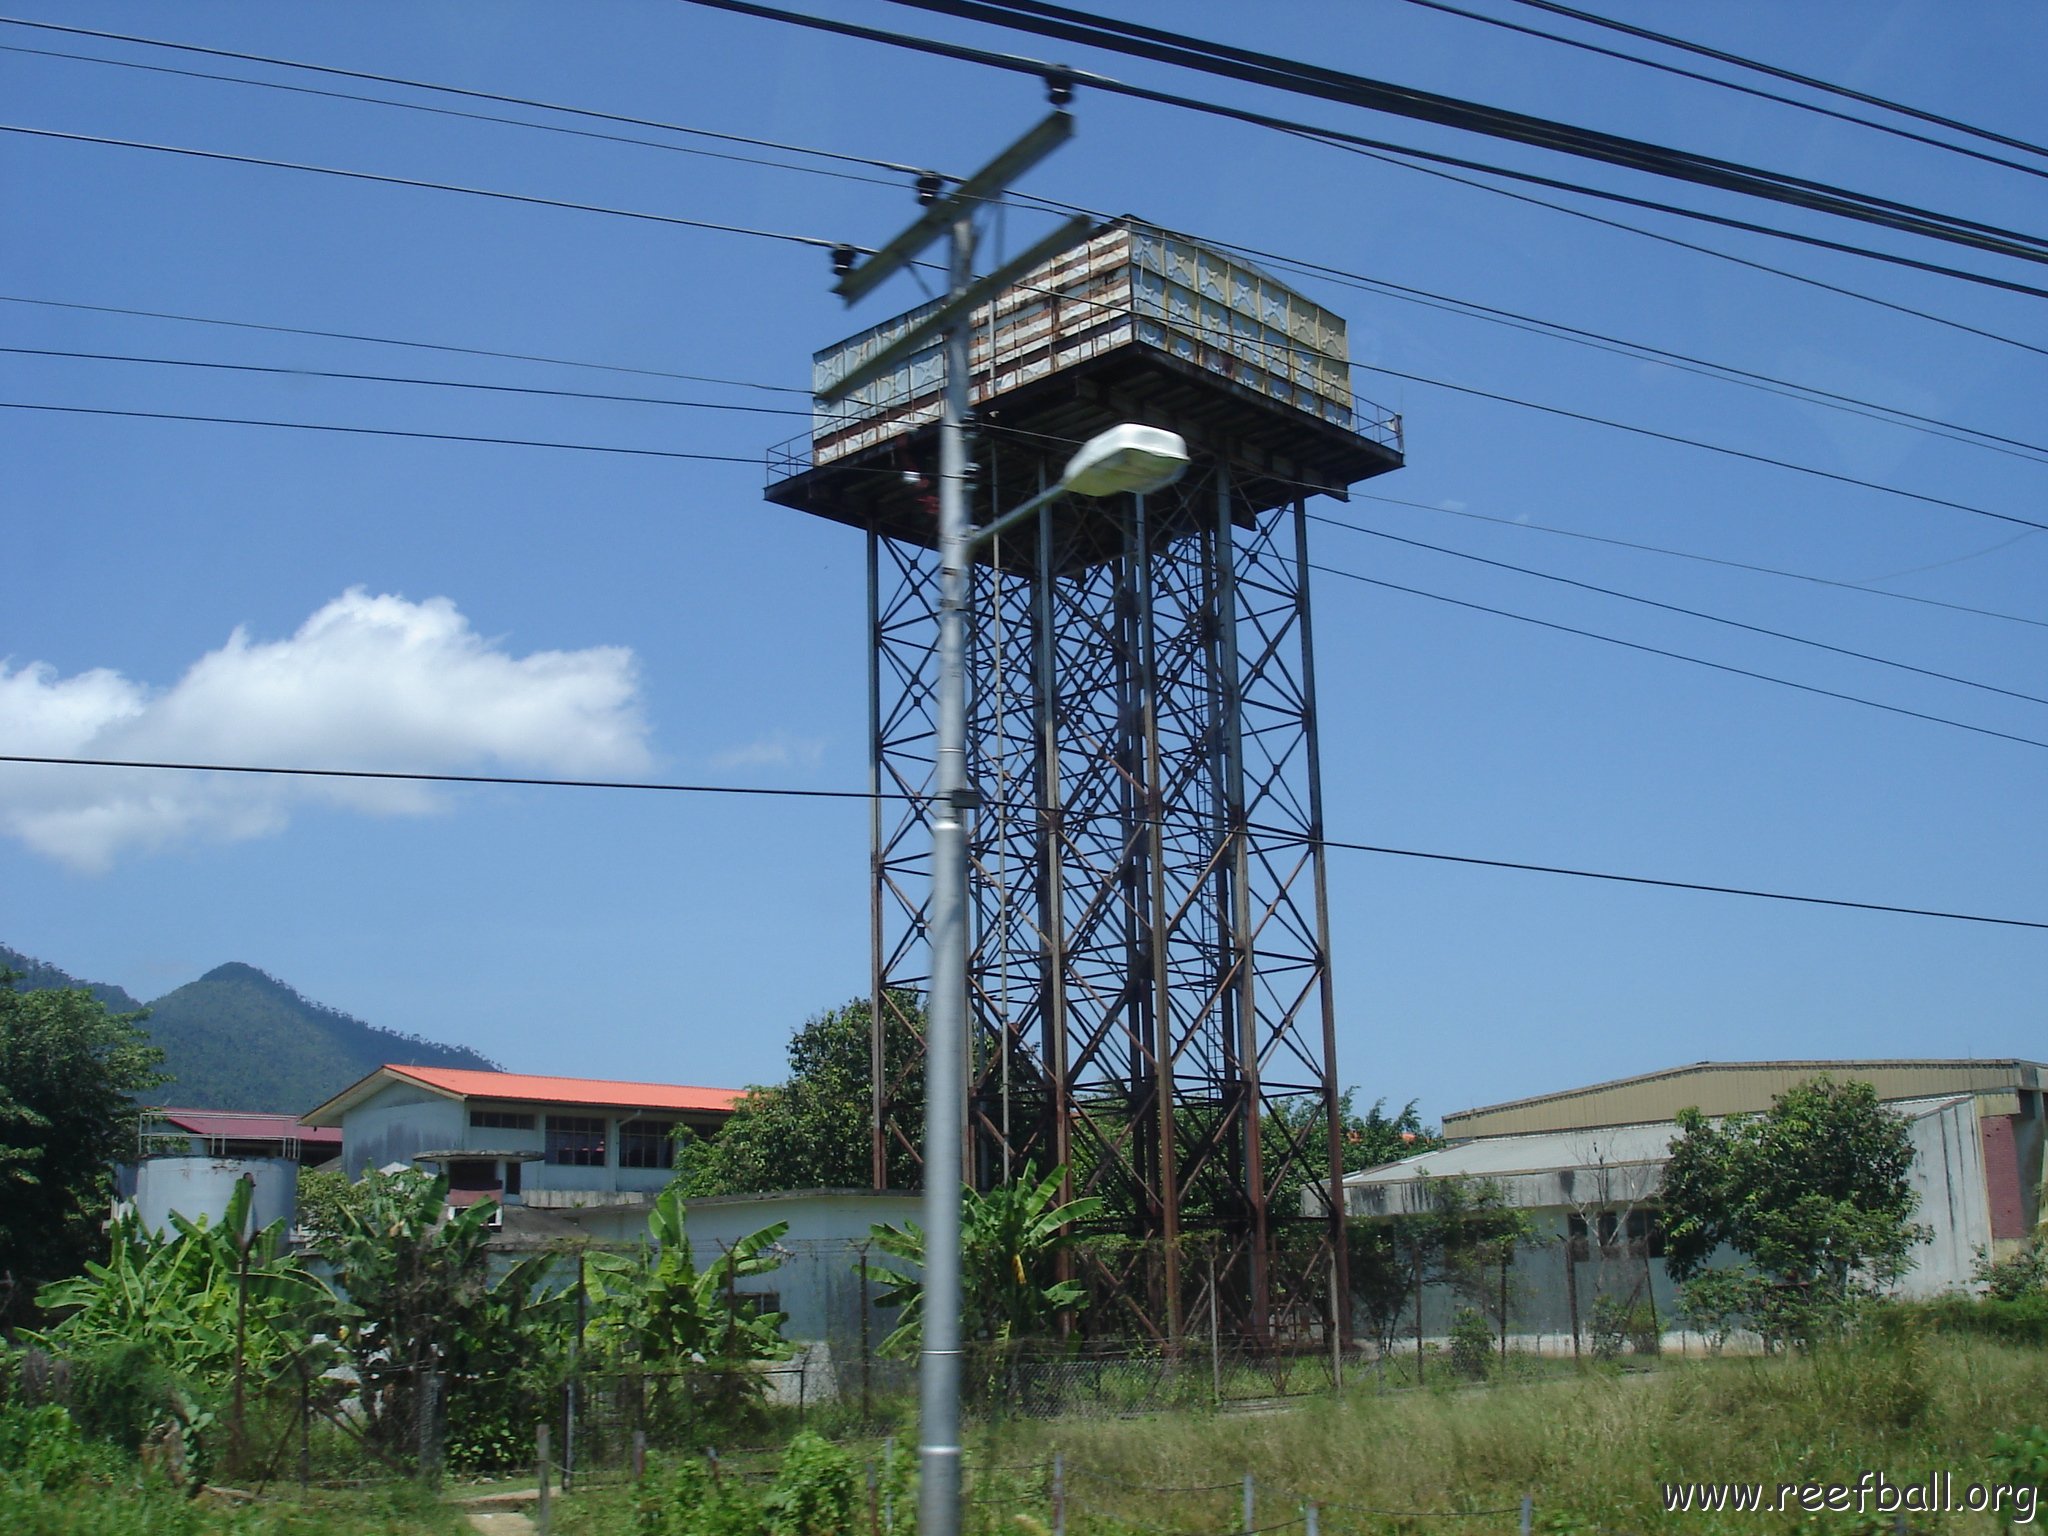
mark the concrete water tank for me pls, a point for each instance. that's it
(202, 1186)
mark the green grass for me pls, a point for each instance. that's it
(101, 1510)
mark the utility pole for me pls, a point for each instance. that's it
(945, 1101)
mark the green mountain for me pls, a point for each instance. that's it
(35, 976)
(240, 1039)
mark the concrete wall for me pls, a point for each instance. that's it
(818, 1285)
(1949, 1173)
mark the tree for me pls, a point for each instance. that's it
(812, 1131)
(1376, 1138)
(1814, 1194)
(421, 1303)
(67, 1070)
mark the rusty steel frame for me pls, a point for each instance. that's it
(1150, 993)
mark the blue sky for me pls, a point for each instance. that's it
(402, 604)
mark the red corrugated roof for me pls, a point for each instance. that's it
(241, 1125)
(571, 1090)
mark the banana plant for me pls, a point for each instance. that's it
(656, 1307)
(1009, 1239)
(186, 1294)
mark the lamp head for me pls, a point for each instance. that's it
(1129, 459)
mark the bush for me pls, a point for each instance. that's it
(2024, 1321)
(1617, 1325)
(1472, 1344)
(2019, 1276)
(691, 1501)
(815, 1492)
(40, 1449)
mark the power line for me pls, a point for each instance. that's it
(1337, 137)
(430, 186)
(1697, 661)
(1729, 85)
(432, 437)
(484, 117)
(464, 778)
(388, 378)
(862, 794)
(1685, 554)
(1691, 613)
(1373, 285)
(400, 341)
(1694, 442)
(1774, 71)
(456, 90)
(1300, 78)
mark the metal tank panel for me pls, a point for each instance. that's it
(201, 1186)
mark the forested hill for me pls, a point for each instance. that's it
(240, 1039)
(35, 976)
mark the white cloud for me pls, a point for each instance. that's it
(366, 682)
(780, 750)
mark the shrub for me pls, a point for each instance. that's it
(1472, 1344)
(815, 1492)
(692, 1501)
(40, 1449)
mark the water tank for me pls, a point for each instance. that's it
(201, 1186)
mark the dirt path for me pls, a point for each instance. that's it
(500, 1522)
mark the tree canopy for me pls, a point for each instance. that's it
(811, 1131)
(67, 1070)
(1815, 1195)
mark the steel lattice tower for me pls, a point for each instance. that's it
(1150, 983)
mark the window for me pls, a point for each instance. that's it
(756, 1303)
(645, 1143)
(512, 1167)
(576, 1140)
(473, 1174)
(499, 1120)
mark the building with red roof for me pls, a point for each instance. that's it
(558, 1154)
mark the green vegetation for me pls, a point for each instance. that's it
(1814, 1194)
(239, 1039)
(67, 1071)
(1464, 1238)
(1010, 1240)
(811, 1131)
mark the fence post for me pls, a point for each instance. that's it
(889, 1494)
(1337, 1303)
(305, 1428)
(874, 1501)
(540, 1463)
(1250, 1506)
(1528, 1514)
(427, 1413)
(1059, 1493)
(639, 1455)
(1215, 1337)
(1310, 1518)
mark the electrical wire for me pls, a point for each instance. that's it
(1730, 85)
(456, 90)
(1697, 661)
(1684, 554)
(388, 378)
(481, 117)
(871, 795)
(1021, 65)
(431, 186)
(1669, 41)
(400, 341)
(1305, 79)
(1691, 613)
(432, 437)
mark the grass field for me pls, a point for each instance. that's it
(1591, 1450)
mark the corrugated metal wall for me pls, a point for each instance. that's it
(1126, 285)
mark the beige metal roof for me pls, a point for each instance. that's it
(1736, 1087)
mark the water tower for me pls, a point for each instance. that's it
(1150, 972)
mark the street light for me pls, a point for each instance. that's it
(1125, 460)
